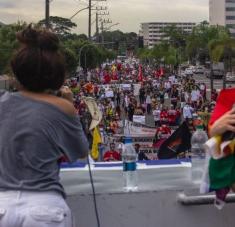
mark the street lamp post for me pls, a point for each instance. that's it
(87, 45)
(106, 29)
(211, 78)
(78, 12)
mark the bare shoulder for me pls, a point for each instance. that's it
(64, 105)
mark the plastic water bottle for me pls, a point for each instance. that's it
(129, 158)
(198, 154)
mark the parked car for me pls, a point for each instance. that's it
(199, 70)
(230, 76)
(188, 72)
(216, 71)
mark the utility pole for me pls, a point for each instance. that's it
(89, 20)
(89, 15)
(102, 32)
(97, 23)
(108, 21)
(97, 27)
(97, 20)
(47, 14)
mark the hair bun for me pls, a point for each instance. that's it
(42, 39)
(48, 41)
(28, 36)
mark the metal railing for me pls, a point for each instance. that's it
(201, 199)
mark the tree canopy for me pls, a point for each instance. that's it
(71, 44)
(205, 43)
(59, 25)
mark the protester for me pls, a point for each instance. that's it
(141, 155)
(37, 130)
(128, 88)
(112, 154)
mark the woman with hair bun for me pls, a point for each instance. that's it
(36, 130)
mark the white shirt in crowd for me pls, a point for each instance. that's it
(126, 101)
(202, 87)
(188, 111)
(172, 79)
(195, 95)
(88, 76)
(156, 114)
(186, 95)
(167, 85)
(148, 99)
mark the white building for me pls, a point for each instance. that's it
(222, 12)
(153, 33)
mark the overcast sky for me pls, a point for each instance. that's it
(129, 13)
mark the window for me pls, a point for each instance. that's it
(230, 25)
(230, 17)
(229, 9)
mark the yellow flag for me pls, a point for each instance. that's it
(96, 140)
(113, 68)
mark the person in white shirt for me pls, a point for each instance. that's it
(148, 103)
(156, 115)
(126, 102)
(195, 95)
(203, 90)
(188, 112)
(167, 86)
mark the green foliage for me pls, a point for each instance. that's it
(204, 43)
(75, 90)
(200, 41)
(175, 36)
(119, 41)
(61, 26)
(221, 48)
(71, 59)
(71, 44)
(8, 44)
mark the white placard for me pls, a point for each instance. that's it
(109, 94)
(126, 86)
(139, 119)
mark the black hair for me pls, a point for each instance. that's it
(38, 65)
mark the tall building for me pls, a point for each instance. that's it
(153, 33)
(222, 12)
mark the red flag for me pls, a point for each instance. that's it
(224, 103)
(140, 75)
(114, 75)
(107, 78)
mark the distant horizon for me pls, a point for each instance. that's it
(133, 12)
(118, 29)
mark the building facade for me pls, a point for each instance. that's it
(222, 12)
(153, 33)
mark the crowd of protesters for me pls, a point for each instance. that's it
(125, 89)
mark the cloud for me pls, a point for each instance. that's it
(7, 4)
(129, 13)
